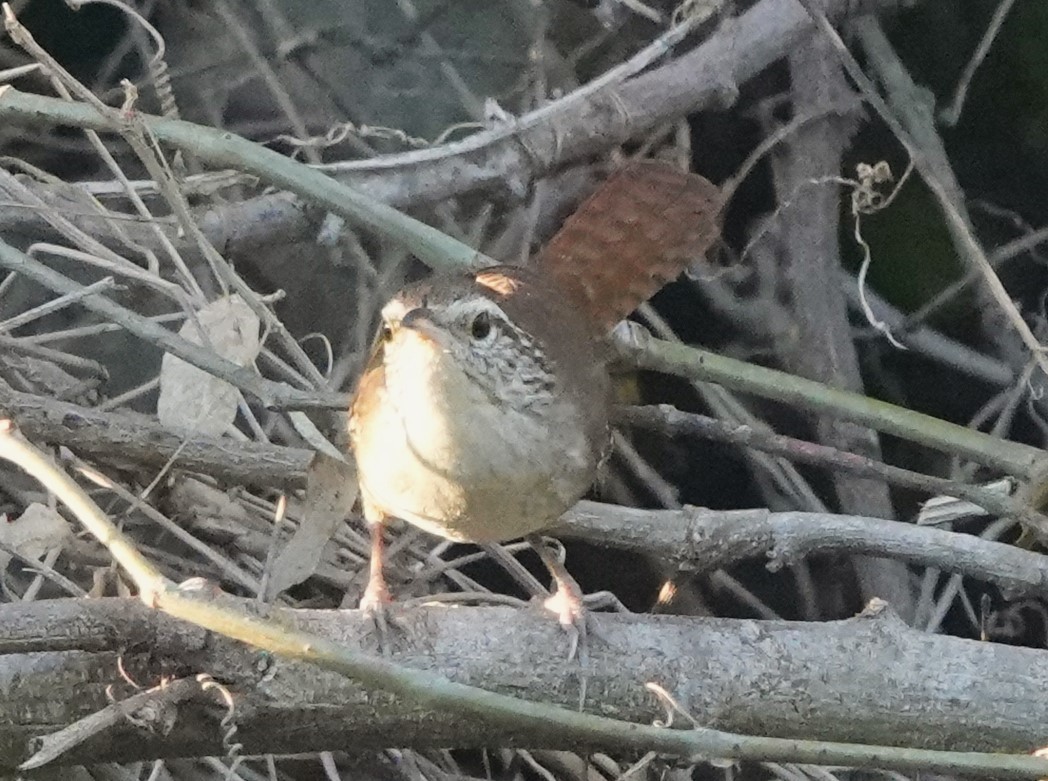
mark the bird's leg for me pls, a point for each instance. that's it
(376, 594)
(566, 601)
(376, 600)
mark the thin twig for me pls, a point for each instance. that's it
(952, 113)
(670, 421)
(271, 394)
(1002, 254)
(1012, 457)
(880, 52)
(238, 28)
(157, 701)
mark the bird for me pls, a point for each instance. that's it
(482, 414)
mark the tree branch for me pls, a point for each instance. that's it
(776, 679)
(128, 440)
(704, 540)
(511, 156)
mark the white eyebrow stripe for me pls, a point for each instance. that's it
(469, 308)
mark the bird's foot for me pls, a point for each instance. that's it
(376, 604)
(568, 606)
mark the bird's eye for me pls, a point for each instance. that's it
(480, 328)
(386, 333)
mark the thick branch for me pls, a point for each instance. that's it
(810, 255)
(700, 539)
(579, 126)
(128, 440)
(786, 679)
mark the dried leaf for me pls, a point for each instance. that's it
(309, 432)
(331, 490)
(33, 533)
(190, 398)
(939, 510)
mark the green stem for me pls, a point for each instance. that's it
(684, 361)
(222, 148)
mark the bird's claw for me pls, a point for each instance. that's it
(567, 603)
(570, 611)
(375, 604)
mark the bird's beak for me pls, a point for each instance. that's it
(420, 321)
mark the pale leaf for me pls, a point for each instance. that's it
(190, 398)
(33, 533)
(331, 490)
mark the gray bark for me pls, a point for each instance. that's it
(867, 679)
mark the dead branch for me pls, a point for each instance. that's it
(848, 680)
(131, 441)
(699, 539)
(511, 156)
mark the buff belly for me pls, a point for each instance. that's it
(490, 475)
